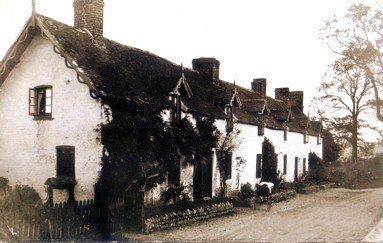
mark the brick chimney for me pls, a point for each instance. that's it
(282, 94)
(290, 97)
(259, 85)
(296, 98)
(208, 66)
(89, 14)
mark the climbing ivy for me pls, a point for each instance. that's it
(140, 148)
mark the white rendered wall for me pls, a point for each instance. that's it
(251, 145)
(28, 146)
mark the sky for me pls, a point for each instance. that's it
(276, 39)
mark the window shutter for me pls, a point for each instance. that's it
(32, 101)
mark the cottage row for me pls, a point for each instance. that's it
(55, 77)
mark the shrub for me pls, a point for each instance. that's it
(246, 191)
(270, 164)
(316, 169)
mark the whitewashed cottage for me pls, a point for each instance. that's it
(52, 83)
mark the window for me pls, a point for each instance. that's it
(261, 127)
(319, 139)
(285, 134)
(175, 113)
(258, 171)
(304, 166)
(285, 164)
(305, 137)
(65, 161)
(40, 101)
(229, 118)
(228, 164)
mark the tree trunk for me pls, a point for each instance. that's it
(354, 139)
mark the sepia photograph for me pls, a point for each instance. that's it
(191, 121)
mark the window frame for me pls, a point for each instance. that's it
(33, 107)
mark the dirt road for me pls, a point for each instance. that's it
(331, 215)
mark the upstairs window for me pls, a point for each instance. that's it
(40, 101)
(229, 118)
(261, 127)
(65, 161)
(305, 137)
(319, 139)
(175, 113)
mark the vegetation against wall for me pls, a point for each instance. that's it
(227, 143)
(141, 149)
(270, 164)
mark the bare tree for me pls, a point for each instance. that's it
(343, 99)
(358, 37)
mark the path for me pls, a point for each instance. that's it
(332, 215)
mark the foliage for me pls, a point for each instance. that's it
(270, 164)
(246, 191)
(331, 149)
(316, 169)
(357, 39)
(226, 144)
(141, 149)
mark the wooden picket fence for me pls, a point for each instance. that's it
(63, 221)
(69, 220)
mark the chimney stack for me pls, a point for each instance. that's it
(259, 85)
(208, 66)
(89, 14)
(282, 94)
(290, 97)
(296, 98)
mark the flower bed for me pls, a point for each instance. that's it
(161, 222)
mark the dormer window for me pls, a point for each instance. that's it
(261, 127)
(305, 137)
(175, 112)
(40, 102)
(229, 118)
(319, 139)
